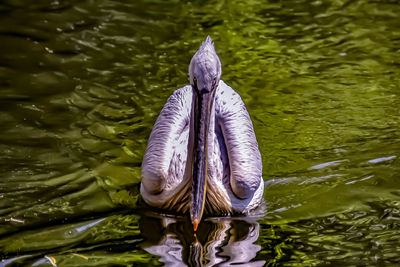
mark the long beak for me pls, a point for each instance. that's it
(203, 103)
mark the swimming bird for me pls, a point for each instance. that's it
(202, 155)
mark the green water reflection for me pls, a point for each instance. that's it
(82, 82)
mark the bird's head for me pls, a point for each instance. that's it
(205, 68)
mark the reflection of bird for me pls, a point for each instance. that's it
(219, 242)
(203, 153)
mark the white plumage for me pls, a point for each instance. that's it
(234, 168)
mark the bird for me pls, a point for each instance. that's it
(202, 155)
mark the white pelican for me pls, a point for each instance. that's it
(202, 153)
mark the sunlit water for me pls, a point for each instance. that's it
(82, 82)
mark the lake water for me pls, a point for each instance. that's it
(82, 82)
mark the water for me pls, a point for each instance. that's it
(82, 82)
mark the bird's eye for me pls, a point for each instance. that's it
(194, 80)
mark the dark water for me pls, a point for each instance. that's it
(82, 82)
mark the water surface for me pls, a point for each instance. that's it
(82, 82)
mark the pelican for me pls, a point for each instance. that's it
(202, 155)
